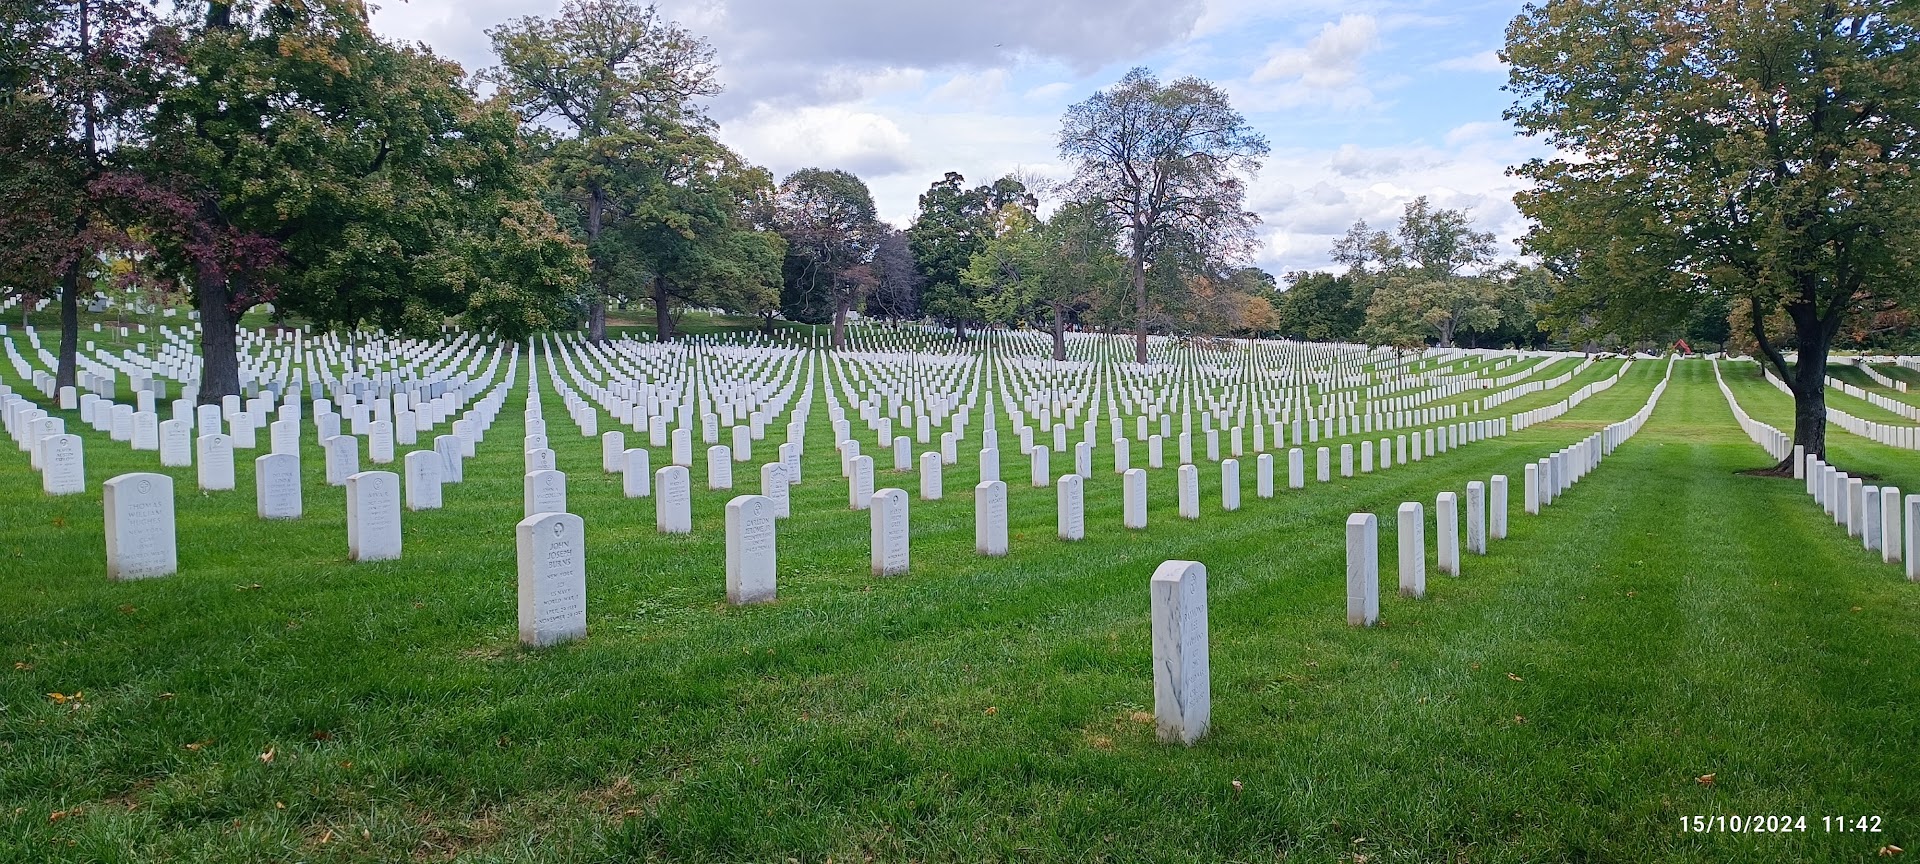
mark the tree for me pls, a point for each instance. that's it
(1762, 152)
(1005, 275)
(1322, 307)
(1365, 250)
(832, 234)
(955, 224)
(515, 271)
(1439, 242)
(897, 281)
(1171, 164)
(76, 76)
(696, 228)
(1410, 306)
(1525, 291)
(1410, 285)
(604, 71)
(1078, 263)
(304, 161)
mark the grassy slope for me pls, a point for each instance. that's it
(1852, 453)
(1667, 619)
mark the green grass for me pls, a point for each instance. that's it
(1666, 619)
(1852, 453)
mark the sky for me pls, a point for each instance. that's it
(1364, 104)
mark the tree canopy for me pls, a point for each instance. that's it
(1170, 163)
(832, 235)
(620, 82)
(1762, 154)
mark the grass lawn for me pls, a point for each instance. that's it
(1667, 620)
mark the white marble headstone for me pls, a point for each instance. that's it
(141, 542)
(888, 527)
(1182, 686)
(990, 518)
(373, 516)
(63, 465)
(276, 486)
(1413, 550)
(750, 548)
(552, 584)
(1133, 490)
(1072, 507)
(424, 469)
(1363, 570)
(216, 463)
(673, 500)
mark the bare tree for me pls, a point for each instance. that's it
(1166, 161)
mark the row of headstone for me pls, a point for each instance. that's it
(1879, 516)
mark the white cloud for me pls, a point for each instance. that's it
(862, 142)
(1049, 92)
(1325, 70)
(1225, 16)
(1308, 197)
(1485, 61)
(789, 53)
(972, 89)
(1479, 131)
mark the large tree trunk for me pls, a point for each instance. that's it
(841, 304)
(662, 319)
(69, 365)
(766, 323)
(1808, 376)
(1810, 401)
(1059, 333)
(1139, 275)
(219, 329)
(1815, 338)
(597, 307)
(597, 318)
(959, 329)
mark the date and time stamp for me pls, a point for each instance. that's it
(1733, 823)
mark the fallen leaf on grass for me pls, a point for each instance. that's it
(165, 697)
(58, 815)
(195, 746)
(62, 698)
(1141, 717)
(1513, 677)
(23, 667)
(267, 757)
(127, 609)
(1519, 719)
(1856, 608)
(991, 710)
(1238, 787)
(1890, 850)
(254, 587)
(323, 735)
(1704, 779)
(326, 837)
